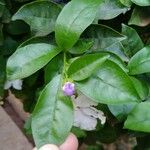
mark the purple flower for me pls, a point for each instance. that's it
(69, 88)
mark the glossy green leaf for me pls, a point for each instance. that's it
(52, 117)
(139, 118)
(103, 36)
(40, 15)
(69, 27)
(84, 66)
(118, 49)
(118, 61)
(141, 2)
(140, 16)
(141, 87)
(53, 68)
(81, 46)
(122, 110)
(109, 85)
(127, 3)
(133, 42)
(29, 59)
(140, 62)
(110, 9)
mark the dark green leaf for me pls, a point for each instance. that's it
(139, 118)
(133, 42)
(140, 16)
(52, 118)
(40, 15)
(103, 36)
(140, 62)
(84, 66)
(81, 46)
(141, 2)
(69, 27)
(122, 110)
(29, 59)
(110, 9)
(141, 87)
(118, 49)
(109, 85)
(53, 68)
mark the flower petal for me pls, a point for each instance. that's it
(83, 101)
(17, 84)
(84, 121)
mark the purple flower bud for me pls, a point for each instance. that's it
(69, 89)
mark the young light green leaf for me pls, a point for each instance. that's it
(40, 15)
(109, 85)
(133, 42)
(139, 118)
(110, 9)
(102, 36)
(140, 16)
(140, 62)
(84, 66)
(69, 27)
(52, 117)
(141, 2)
(29, 59)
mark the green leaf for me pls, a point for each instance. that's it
(139, 118)
(141, 2)
(122, 110)
(53, 68)
(34, 40)
(69, 27)
(52, 117)
(133, 42)
(103, 36)
(141, 87)
(109, 85)
(140, 16)
(110, 9)
(84, 66)
(140, 62)
(81, 46)
(29, 59)
(127, 3)
(118, 49)
(40, 15)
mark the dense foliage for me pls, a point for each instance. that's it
(102, 46)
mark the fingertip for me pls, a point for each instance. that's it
(48, 147)
(71, 143)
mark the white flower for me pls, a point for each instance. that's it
(85, 115)
(16, 84)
